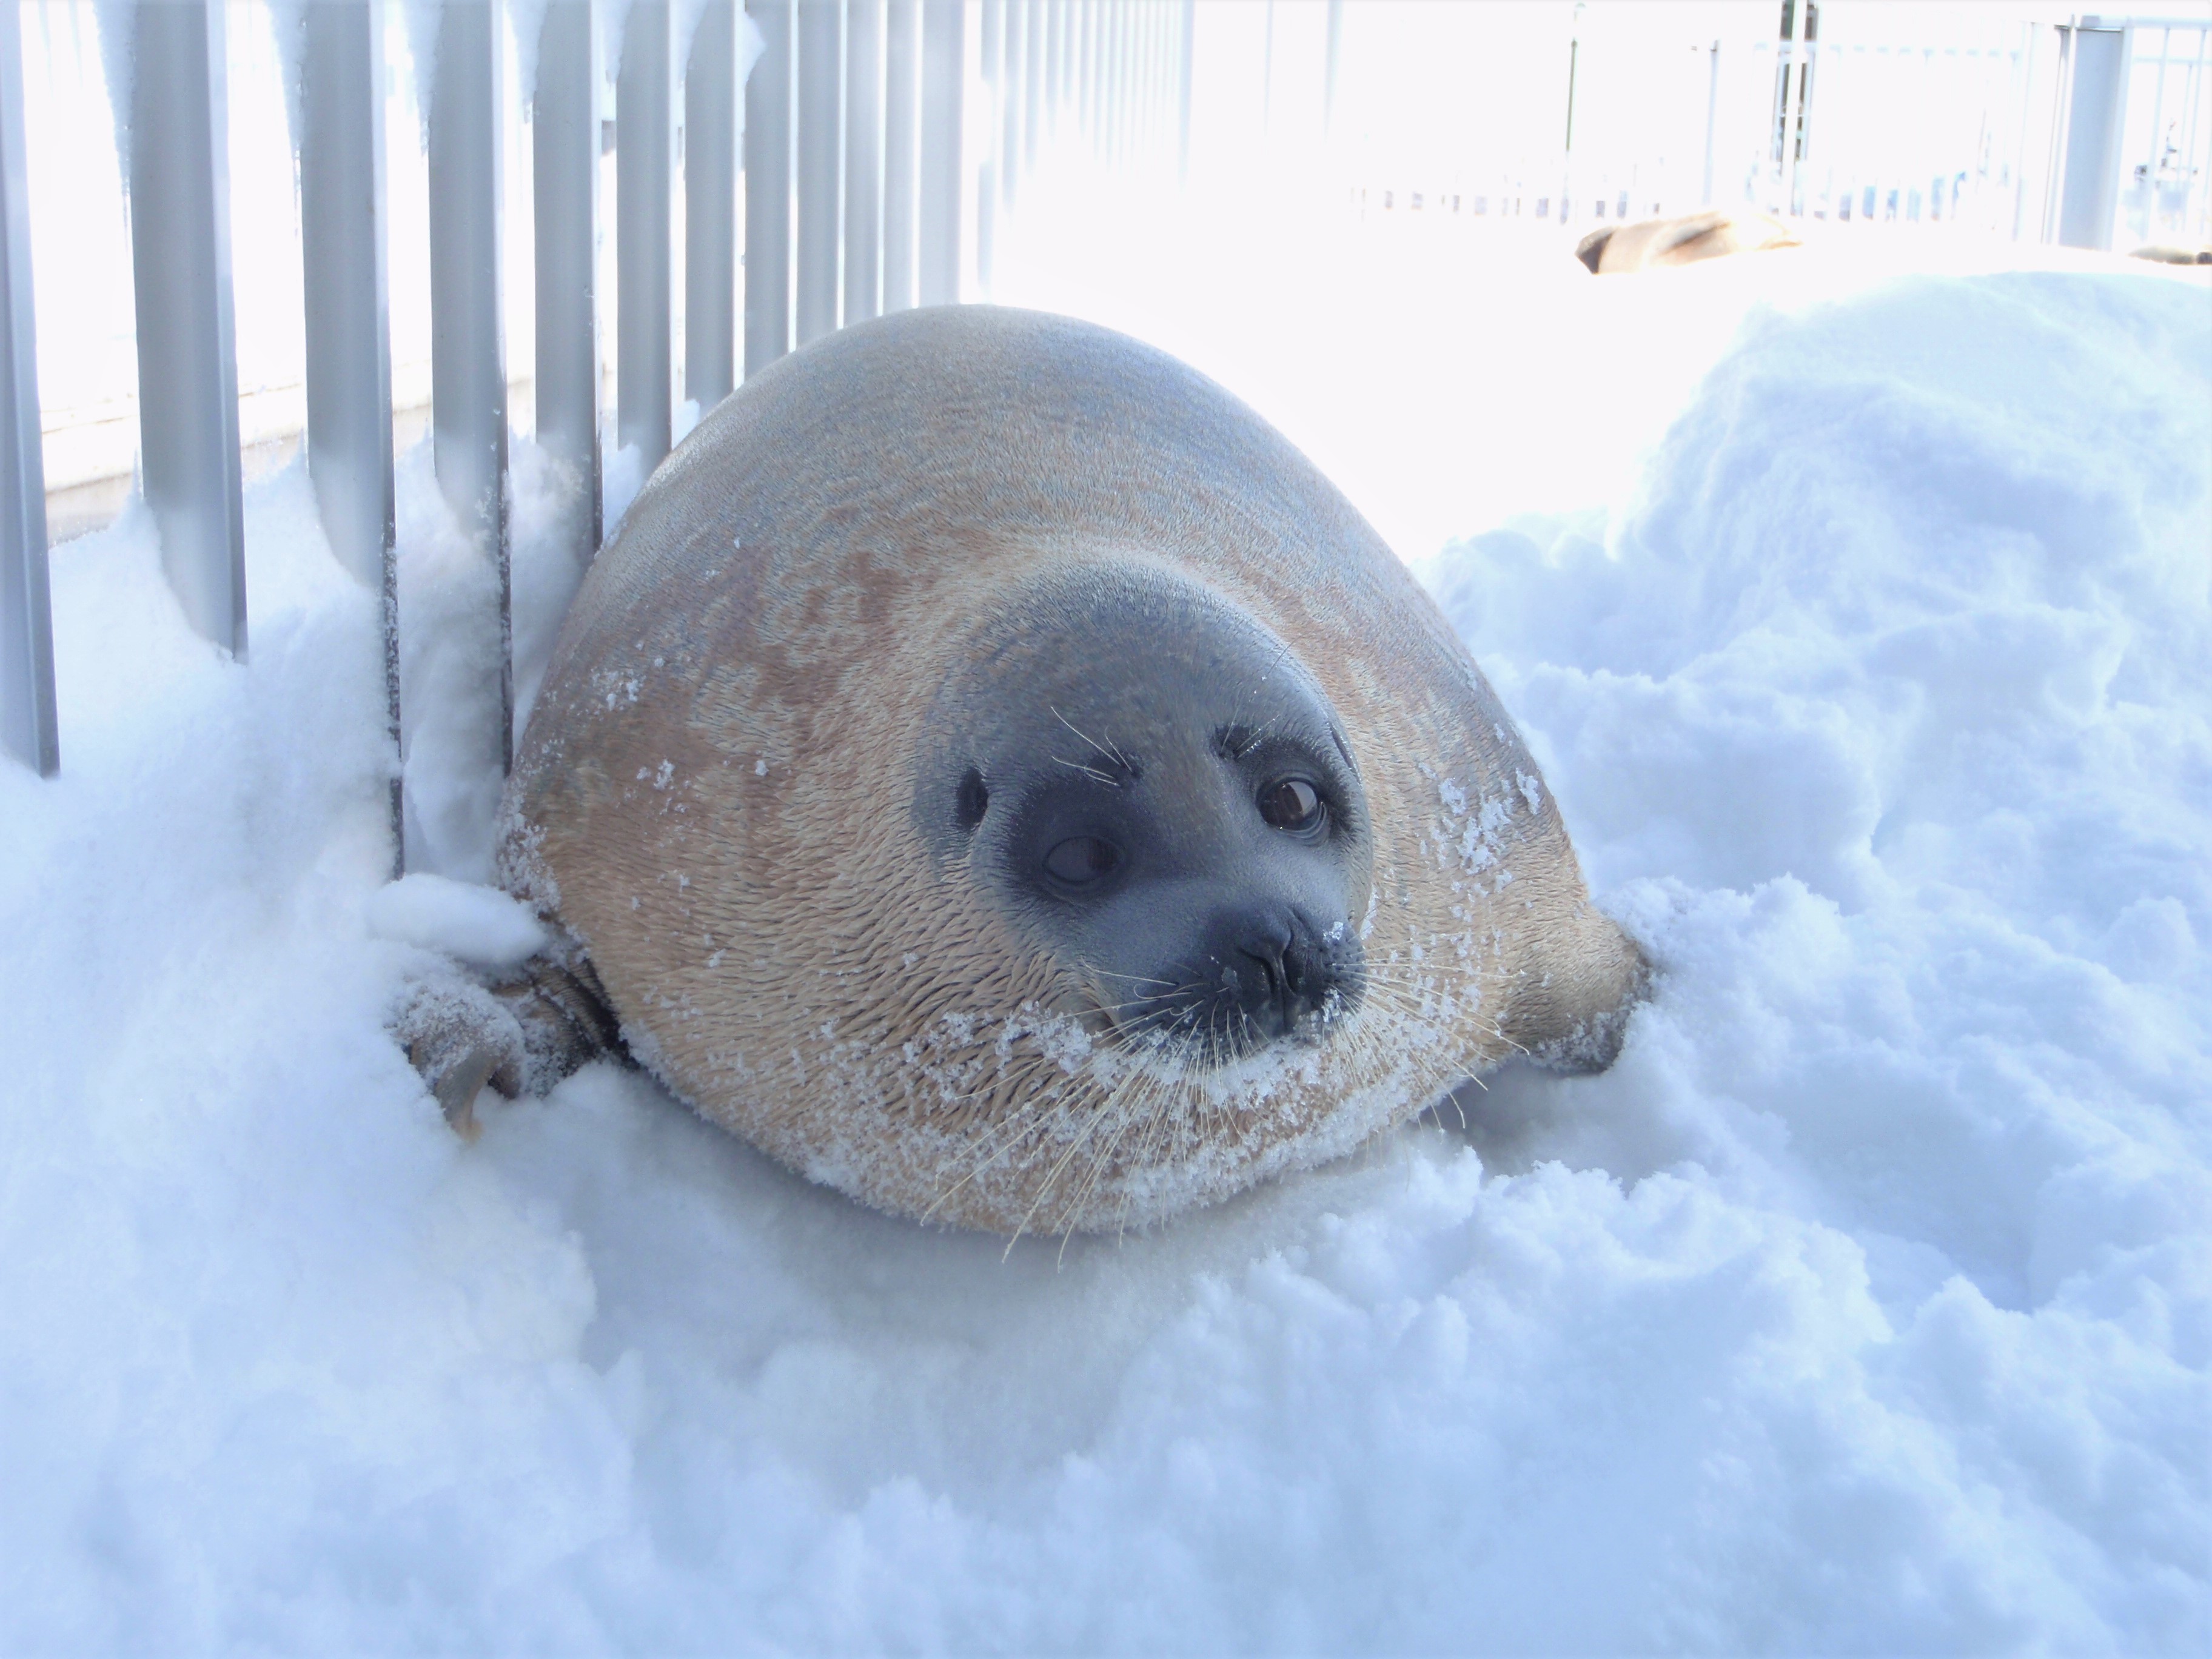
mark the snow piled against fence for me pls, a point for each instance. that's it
(1862, 1306)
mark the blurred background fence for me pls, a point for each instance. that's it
(343, 225)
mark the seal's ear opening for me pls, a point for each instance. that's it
(1591, 249)
(970, 801)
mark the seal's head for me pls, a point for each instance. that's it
(1149, 788)
(992, 772)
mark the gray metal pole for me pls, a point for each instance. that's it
(1712, 118)
(342, 231)
(1336, 44)
(863, 158)
(820, 24)
(901, 112)
(468, 344)
(943, 28)
(180, 260)
(1186, 62)
(1033, 84)
(768, 188)
(710, 207)
(990, 166)
(645, 250)
(29, 728)
(1056, 59)
(1013, 81)
(2089, 196)
(565, 191)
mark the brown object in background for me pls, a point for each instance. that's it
(1617, 249)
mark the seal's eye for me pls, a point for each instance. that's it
(1293, 804)
(1082, 860)
(970, 801)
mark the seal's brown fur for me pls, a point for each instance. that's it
(715, 793)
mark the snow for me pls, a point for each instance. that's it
(470, 922)
(1855, 603)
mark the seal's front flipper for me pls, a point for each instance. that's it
(521, 1035)
(562, 1010)
(460, 1037)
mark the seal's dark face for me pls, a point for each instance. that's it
(1148, 785)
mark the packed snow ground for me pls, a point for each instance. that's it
(1858, 604)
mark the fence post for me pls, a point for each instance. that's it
(864, 157)
(768, 188)
(1186, 60)
(1712, 118)
(1335, 50)
(820, 23)
(180, 265)
(565, 192)
(468, 343)
(2089, 196)
(28, 729)
(710, 207)
(902, 89)
(644, 252)
(944, 60)
(1012, 77)
(1033, 76)
(991, 15)
(349, 336)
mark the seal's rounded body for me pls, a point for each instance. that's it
(992, 772)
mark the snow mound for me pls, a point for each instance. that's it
(472, 924)
(1865, 1304)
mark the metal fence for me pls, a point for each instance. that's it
(832, 159)
(839, 159)
(2093, 132)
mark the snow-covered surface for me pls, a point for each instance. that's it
(1857, 609)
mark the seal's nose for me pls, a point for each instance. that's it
(1271, 969)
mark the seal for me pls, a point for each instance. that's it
(992, 772)
(1650, 244)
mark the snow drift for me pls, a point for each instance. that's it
(1864, 1305)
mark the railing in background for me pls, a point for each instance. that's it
(29, 728)
(864, 192)
(887, 148)
(2093, 132)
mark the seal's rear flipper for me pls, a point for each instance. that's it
(1570, 1013)
(521, 1035)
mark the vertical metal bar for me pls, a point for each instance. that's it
(468, 345)
(2098, 103)
(342, 231)
(1086, 71)
(565, 194)
(1033, 83)
(710, 207)
(1012, 76)
(180, 260)
(990, 165)
(1186, 60)
(820, 24)
(768, 188)
(645, 250)
(1712, 120)
(1056, 59)
(944, 61)
(29, 728)
(901, 114)
(864, 157)
(1335, 49)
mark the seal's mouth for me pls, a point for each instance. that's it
(1226, 1008)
